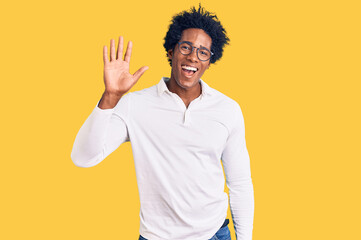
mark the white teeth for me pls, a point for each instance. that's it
(189, 68)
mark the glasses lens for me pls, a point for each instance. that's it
(185, 48)
(204, 54)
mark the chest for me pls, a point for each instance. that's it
(197, 129)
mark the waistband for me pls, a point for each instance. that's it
(224, 224)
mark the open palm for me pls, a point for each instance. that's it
(117, 78)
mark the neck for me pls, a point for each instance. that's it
(186, 94)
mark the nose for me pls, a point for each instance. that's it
(193, 56)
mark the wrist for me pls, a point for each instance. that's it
(109, 100)
(112, 94)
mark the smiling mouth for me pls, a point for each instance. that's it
(189, 70)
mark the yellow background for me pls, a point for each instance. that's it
(293, 66)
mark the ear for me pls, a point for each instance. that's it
(209, 64)
(170, 53)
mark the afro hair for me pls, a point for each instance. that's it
(201, 19)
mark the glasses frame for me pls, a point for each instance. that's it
(193, 47)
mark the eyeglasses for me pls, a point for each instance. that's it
(203, 53)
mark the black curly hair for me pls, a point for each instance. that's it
(201, 19)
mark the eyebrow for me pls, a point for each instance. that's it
(193, 46)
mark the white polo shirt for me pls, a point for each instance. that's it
(177, 154)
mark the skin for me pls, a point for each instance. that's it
(186, 88)
(117, 78)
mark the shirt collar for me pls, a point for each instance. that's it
(162, 87)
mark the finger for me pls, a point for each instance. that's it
(140, 72)
(128, 53)
(120, 48)
(112, 50)
(105, 55)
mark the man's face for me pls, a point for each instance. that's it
(186, 78)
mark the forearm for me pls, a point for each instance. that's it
(242, 208)
(89, 142)
(102, 132)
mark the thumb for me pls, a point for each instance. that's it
(140, 72)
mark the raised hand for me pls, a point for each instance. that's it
(117, 78)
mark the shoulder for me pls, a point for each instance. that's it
(144, 93)
(138, 100)
(229, 108)
(132, 101)
(225, 101)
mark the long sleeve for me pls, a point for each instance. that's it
(236, 165)
(102, 132)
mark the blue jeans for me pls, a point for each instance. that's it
(222, 234)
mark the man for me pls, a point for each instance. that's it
(180, 131)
